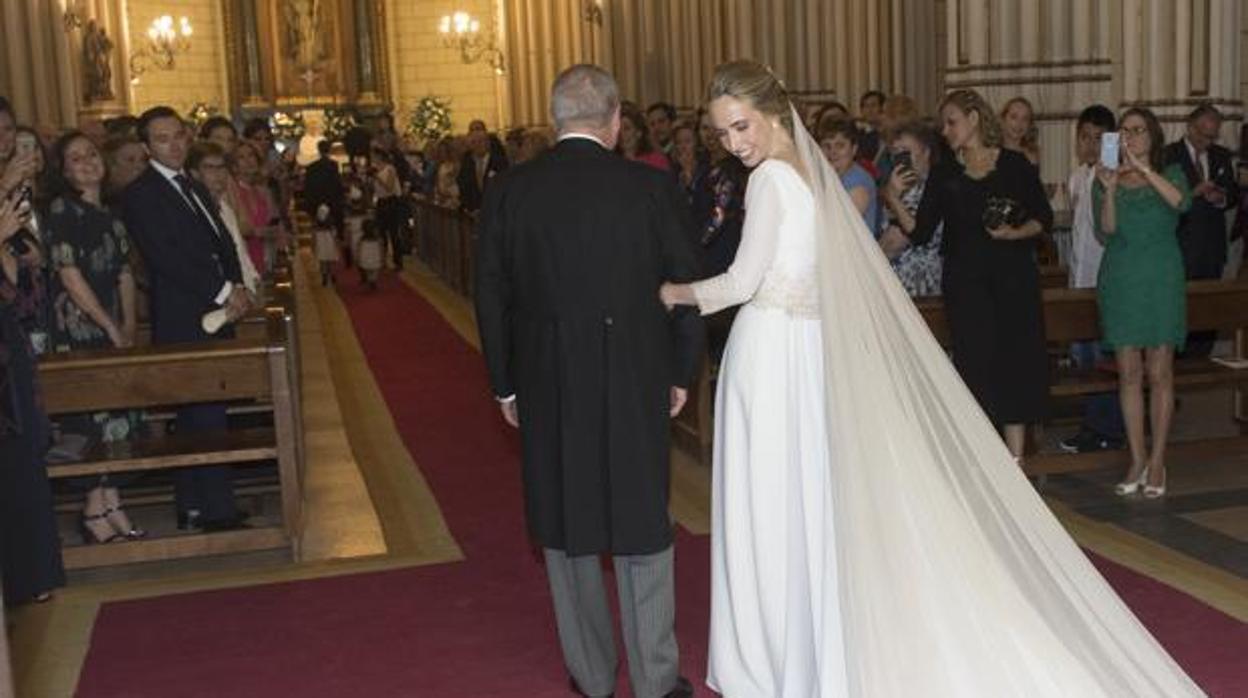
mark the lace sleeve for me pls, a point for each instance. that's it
(759, 236)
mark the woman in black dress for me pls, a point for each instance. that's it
(993, 207)
(30, 549)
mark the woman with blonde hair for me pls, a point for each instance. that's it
(993, 207)
(871, 536)
(1018, 128)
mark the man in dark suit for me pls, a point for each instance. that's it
(484, 160)
(586, 361)
(322, 185)
(1202, 230)
(192, 267)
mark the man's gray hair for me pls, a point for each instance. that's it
(583, 95)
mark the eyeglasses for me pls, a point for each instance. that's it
(1135, 130)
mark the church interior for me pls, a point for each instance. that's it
(376, 542)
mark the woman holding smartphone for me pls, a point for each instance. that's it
(914, 150)
(1141, 288)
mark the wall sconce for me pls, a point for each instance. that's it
(461, 31)
(75, 16)
(162, 44)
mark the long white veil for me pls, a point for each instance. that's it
(955, 578)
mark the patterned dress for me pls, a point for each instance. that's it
(918, 266)
(92, 240)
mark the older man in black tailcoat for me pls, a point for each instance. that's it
(587, 362)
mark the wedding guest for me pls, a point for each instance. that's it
(192, 268)
(30, 548)
(870, 115)
(446, 174)
(513, 144)
(839, 142)
(688, 159)
(124, 160)
(914, 151)
(635, 141)
(1202, 228)
(478, 166)
(322, 186)
(257, 207)
(660, 120)
(221, 131)
(93, 307)
(1141, 289)
(831, 111)
(1018, 129)
(535, 143)
(207, 163)
(720, 205)
(1102, 426)
(390, 211)
(993, 207)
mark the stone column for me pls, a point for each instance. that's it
(367, 43)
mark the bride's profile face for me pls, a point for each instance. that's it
(744, 131)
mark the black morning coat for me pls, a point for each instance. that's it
(572, 249)
(187, 262)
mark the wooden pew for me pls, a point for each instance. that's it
(249, 368)
(1071, 315)
(446, 243)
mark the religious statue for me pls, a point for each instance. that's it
(97, 63)
(305, 36)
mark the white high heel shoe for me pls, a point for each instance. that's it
(1130, 487)
(1156, 491)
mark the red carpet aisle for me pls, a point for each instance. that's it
(481, 627)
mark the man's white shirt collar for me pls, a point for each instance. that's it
(584, 136)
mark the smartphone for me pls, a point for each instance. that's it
(1109, 149)
(903, 160)
(25, 143)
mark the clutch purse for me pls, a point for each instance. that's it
(1001, 211)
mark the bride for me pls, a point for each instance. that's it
(872, 536)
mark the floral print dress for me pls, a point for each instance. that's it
(93, 240)
(918, 266)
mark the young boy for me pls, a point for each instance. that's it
(1102, 420)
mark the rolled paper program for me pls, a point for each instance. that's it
(214, 320)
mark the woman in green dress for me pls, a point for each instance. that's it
(93, 307)
(1141, 288)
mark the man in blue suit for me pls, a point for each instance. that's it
(192, 267)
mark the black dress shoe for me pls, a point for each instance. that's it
(683, 689)
(189, 520)
(577, 689)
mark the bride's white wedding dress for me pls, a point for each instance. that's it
(775, 625)
(871, 535)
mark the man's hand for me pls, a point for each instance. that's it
(511, 415)
(678, 398)
(238, 303)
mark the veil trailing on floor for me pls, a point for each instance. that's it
(955, 578)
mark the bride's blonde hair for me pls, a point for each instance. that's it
(754, 83)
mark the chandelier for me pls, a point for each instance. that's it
(162, 44)
(460, 31)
